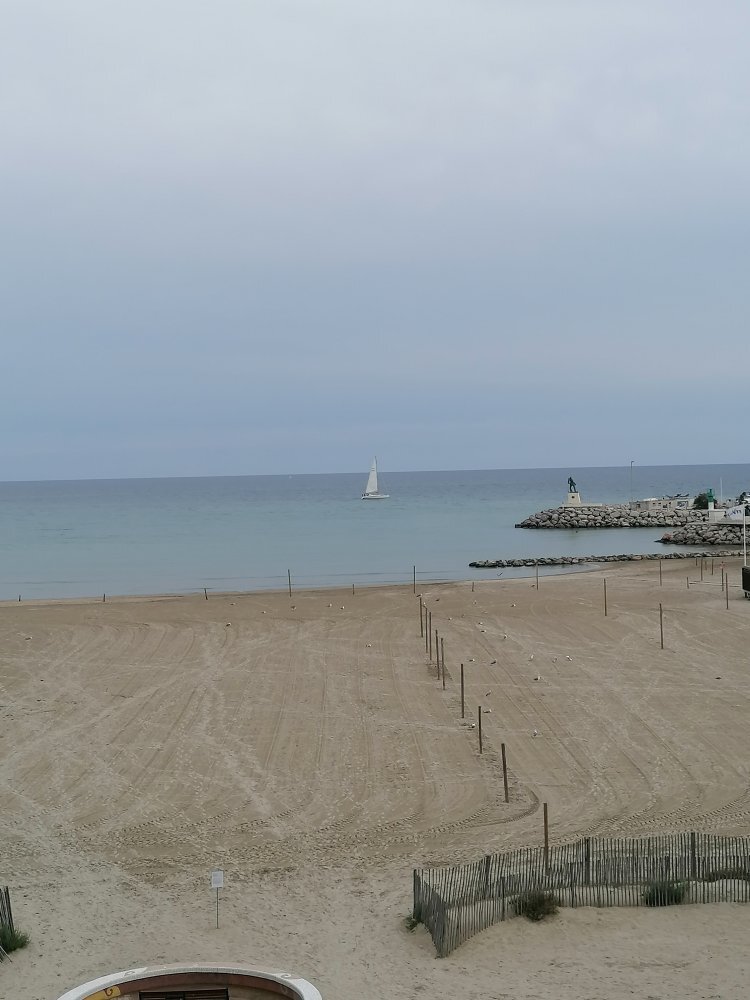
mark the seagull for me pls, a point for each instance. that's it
(531, 657)
(535, 733)
(471, 659)
(554, 659)
(263, 612)
(505, 635)
(342, 607)
(480, 623)
(487, 694)
(473, 725)
(330, 605)
(538, 677)
(228, 625)
(368, 645)
(513, 605)
(483, 630)
(493, 662)
(294, 607)
(569, 658)
(486, 710)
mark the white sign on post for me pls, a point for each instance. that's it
(217, 879)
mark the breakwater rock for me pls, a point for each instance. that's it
(705, 534)
(611, 515)
(581, 560)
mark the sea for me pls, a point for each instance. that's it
(85, 538)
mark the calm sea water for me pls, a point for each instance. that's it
(137, 536)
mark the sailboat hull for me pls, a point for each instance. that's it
(375, 496)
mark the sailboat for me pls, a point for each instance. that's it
(371, 490)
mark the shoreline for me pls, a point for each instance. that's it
(559, 565)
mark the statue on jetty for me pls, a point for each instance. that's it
(572, 488)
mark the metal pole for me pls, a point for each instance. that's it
(217, 909)
(289, 579)
(505, 772)
(479, 725)
(437, 652)
(442, 659)
(462, 691)
(631, 482)
(537, 576)
(605, 597)
(415, 579)
(546, 838)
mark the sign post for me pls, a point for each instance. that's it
(217, 882)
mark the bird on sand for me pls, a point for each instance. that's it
(569, 658)
(535, 733)
(531, 657)
(493, 662)
(487, 694)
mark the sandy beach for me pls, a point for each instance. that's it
(307, 747)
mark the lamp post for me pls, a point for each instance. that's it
(631, 482)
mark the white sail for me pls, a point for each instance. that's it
(371, 490)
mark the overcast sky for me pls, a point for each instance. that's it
(252, 237)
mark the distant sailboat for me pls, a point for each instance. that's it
(371, 490)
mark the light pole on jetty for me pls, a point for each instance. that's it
(631, 481)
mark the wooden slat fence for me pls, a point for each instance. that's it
(6, 915)
(456, 902)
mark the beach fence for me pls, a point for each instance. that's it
(454, 903)
(6, 915)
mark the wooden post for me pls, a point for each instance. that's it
(442, 659)
(463, 704)
(712, 565)
(693, 856)
(437, 652)
(414, 584)
(660, 562)
(605, 597)
(421, 620)
(479, 726)
(505, 772)
(587, 860)
(546, 839)
(205, 593)
(427, 631)
(19, 598)
(472, 586)
(537, 576)
(687, 581)
(702, 569)
(429, 635)
(722, 577)
(289, 580)
(661, 625)
(726, 589)
(104, 598)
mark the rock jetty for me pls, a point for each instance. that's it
(727, 533)
(581, 560)
(612, 515)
